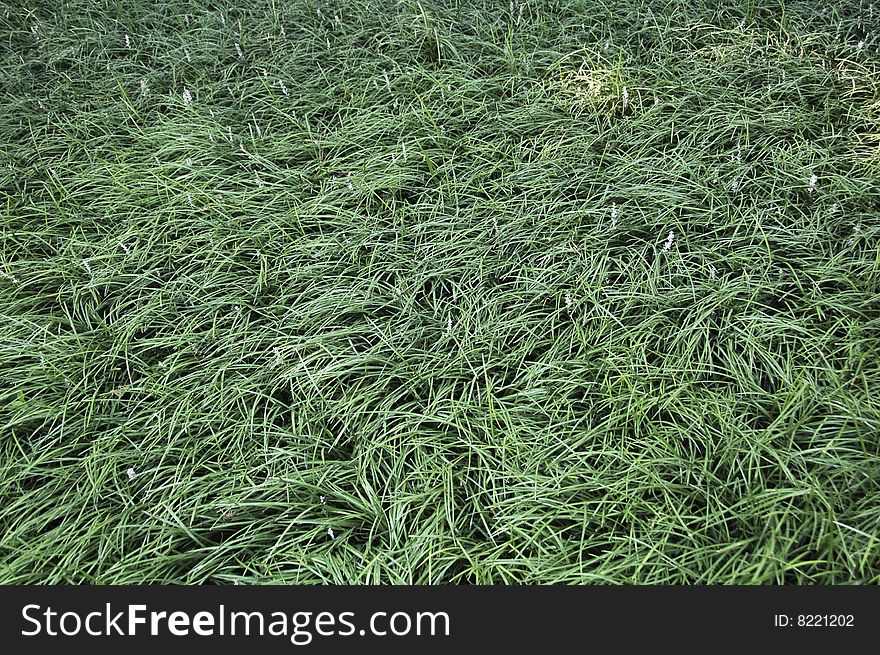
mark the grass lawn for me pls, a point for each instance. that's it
(429, 292)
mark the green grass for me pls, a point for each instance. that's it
(390, 300)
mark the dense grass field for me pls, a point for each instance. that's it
(440, 292)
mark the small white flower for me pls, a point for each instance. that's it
(283, 87)
(330, 533)
(669, 239)
(568, 301)
(860, 46)
(238, 50)
(145, 90)
(323, 500)
(713, 272)
(187, 96)
(742, 24)
(449, 325)
(813, 182)
(9, 277)
(281, 27)
(223, 20)
(186, 19)
(189, 161)
(614, 214)
(131, 474)
(127, 42)
(186, 55)
(625, 97)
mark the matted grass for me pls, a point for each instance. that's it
(437, 292)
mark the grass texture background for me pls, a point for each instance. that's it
(439, 292)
